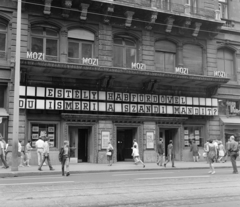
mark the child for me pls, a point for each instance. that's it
(136, 157)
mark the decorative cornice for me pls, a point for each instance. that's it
(156, 74)
(66, 4)
(169, 22)
(108, 13)
(84, 11)
(129, 15)
(185, 25)
(152, 20)
(47, 7)
(197, 26)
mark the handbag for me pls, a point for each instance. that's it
(204, 154)
(109, 153)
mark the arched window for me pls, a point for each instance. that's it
(45, 40)
(225, 61)
(125, 51)
(165, 56)
(193, 58)
(80, 45)
(3, 39)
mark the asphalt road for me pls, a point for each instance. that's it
(128, 189)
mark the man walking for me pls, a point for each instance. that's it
(160, 152)
(2, 152)
(233, 152)
(171, 154)
(46, 155)
(39, 146)
(195, 151)
(226, 151)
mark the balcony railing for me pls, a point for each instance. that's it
(165, 5)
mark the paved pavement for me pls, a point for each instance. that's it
(119, 166)
(152, 188)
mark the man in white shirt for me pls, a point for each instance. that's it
(2, 152)
(39, 146)
(46, 155)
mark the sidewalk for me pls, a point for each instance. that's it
(116, 167)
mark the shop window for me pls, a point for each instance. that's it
(125, 52)
(193, 133)
(232, 130)
(48, 130)
(163, 4)
(80, 45)
(3, 39)
(225, 62)
(165, 56)
(45, 40)
(223, 8)
(193, 58)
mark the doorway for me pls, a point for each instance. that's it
(82, 145)
(125, 138)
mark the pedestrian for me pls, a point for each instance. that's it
(226, 155)
(46, 155)
(215, 142)
(64, 156)
(170, 154)
(2, 152)
(205, 149)
(20, 154)
(6, 151)
(109, 153)
(160, 152)
(233, 150)
(221, 152)
(136, 156)
(28, 149)
(211, 156)
(195, 151)
(135, 144)
(39, 146)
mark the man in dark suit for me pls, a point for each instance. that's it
(233, 151)
(160, 152)
(171, 154)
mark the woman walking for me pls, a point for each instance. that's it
(109, 153)
(221, 152)
(28, 149)
(65, 151)
(211, 155)
(135, 154)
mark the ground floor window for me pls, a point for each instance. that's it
(48, 130)
(192, 133)
(232, 130)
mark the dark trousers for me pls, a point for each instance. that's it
(46, 157)
(234, 164)
(3, 160)
(170, 158)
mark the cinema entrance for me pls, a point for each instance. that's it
(125, 136)
(82, 141)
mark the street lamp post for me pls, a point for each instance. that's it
(14, 166)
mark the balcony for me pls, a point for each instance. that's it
(167, 6)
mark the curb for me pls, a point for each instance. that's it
(58, 172)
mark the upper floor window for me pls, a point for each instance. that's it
(45, 40)
(223, 8)
(193, 5)
(193, 58)
(165, 56)
(3, 39)
(80, 45)
(225, 61)
(163, 4)
(125, 52)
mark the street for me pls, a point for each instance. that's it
(126, 188)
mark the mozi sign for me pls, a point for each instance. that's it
(139, 66)
(181, 70)
(220, 74)
(90, 61)
(35, 55)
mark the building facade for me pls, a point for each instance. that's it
(99, 70)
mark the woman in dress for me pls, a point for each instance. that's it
(109, 153)
(211, 155)
(28, 149)
(221, 151)
(135, 154)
